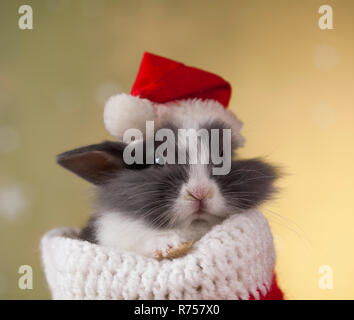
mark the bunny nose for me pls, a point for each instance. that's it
(199, 193)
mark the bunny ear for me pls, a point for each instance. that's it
(124, 111)
(95, 163)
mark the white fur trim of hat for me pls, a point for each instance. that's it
(124, 111)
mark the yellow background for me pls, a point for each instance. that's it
(292, 84)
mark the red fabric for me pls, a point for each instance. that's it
(162, 80)
(274, 293)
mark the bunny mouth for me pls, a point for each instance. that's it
(200, 221)
(201, 215)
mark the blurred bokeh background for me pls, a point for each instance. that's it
(293, 87)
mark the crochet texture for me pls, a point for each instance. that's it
(234, 260)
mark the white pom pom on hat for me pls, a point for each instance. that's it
(124, 111)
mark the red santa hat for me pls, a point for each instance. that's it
(164, 82)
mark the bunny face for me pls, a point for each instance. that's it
(167, 195)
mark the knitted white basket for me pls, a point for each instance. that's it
(234, 260)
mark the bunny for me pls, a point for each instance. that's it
(160, 209)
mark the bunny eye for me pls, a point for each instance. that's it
(160, 161)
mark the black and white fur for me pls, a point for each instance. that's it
(149, 208)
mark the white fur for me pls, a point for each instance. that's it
(199, 178)
(214, 204)
(116, 230)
